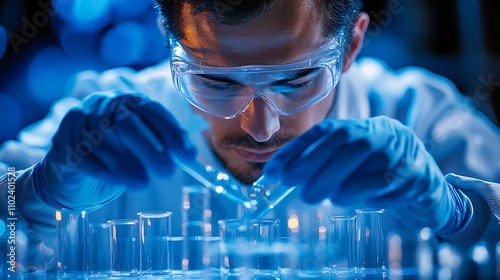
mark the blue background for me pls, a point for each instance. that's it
(43, 43)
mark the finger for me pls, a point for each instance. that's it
(465, 183)
(333, 170)
(144, 144)
(120, 165)
(320, 153)
(274, 169)
(166, 128)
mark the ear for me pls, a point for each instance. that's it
(160, 21)
(360, 27)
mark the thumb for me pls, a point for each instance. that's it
(465, 183)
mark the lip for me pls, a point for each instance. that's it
(255, 155)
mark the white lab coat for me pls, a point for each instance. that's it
(462, 140)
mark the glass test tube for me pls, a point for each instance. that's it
(235, 235)
(125, 256)
(99, 257)
(265, 193)
(213, 179)
(370, 240)
(196, 228)
(411, 253)
(307, 231)
(264, 196)
(341, 243)
(72, 241)
(497, 257)
(264, 235)
(155, 231)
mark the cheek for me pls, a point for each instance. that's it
(304, 120)
(220, 127)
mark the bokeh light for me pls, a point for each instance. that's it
(3, 41)
(85, 15)
(129, 9)
(46, 84)
(124, 44)
(74, 42)
(10, 114)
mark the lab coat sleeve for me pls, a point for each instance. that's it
(460, 138)
(35, 220)
(463, 141)
(485, 198)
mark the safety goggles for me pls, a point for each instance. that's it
(287, 88)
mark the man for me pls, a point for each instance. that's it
(273, 88)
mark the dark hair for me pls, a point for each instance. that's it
(339, 14)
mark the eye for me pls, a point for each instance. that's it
(216, 83)
(300, 82)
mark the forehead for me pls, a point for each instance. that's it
(289, 30)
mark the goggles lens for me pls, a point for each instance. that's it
(227, 91)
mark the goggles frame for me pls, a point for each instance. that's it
(182, 63)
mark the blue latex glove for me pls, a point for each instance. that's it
(376, 162)
(108, 143)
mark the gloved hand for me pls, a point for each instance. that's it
(376, 162)
(108, 143)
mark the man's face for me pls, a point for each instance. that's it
(246, 142)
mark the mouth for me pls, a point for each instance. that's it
(253, 155)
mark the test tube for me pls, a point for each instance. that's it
(265, 193)
(264, 234)
(213, 179)
(72, 241)
(451, 262)
(154, 250)
(264, 196)
(175, 244)
(99, 259)
(481, 259)
(497, 257)
(411, 253)
(342, 244)
(124, 238)
(196, 228)
(235, 236)
(370, 240)
(307, 230)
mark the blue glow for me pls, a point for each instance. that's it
(91, 15)
(85, 15)
(124, 44)
(156, 50)
(3, 41)
(127, 9)
(2, 227)
(47, 75)
(10, 114)
(77, 43)
(63, 9)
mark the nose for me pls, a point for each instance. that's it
(260, 120)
